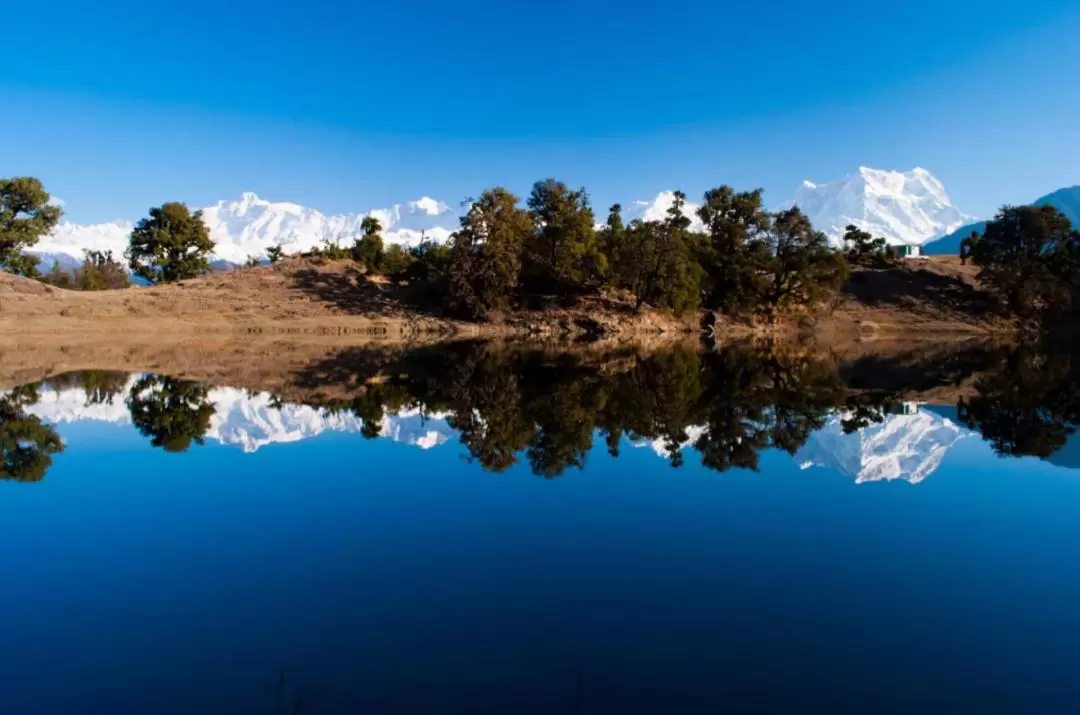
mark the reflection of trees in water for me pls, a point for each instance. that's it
(26, 443)
(102, 387)
(549, 406)
(509, 404)
(729, 403)
(1027, 404)
(173, 413)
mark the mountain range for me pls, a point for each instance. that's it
(903, 207)
(247, 225)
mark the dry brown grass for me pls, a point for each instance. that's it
(928, 298)
(295, 297)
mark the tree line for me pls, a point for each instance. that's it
(744, 260)
(504, 253)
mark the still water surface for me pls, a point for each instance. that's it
(460, 536)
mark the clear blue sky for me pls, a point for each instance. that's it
(348, 106)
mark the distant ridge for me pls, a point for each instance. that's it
(903, 207)
(1066, 200)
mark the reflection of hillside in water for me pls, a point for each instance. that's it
(507, 405)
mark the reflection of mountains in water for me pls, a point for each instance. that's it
(907, 446)
(250, 420)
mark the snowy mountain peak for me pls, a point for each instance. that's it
(902, 207)
(250, 198)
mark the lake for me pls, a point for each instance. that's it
(488, 529)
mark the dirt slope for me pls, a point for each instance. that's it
(929, 297)
(298, 296)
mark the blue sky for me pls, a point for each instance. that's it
(349, 106)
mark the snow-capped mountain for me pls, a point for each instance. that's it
(910, 207)
(903, 208)
(908, 447)
(248, 225)
(250, 420)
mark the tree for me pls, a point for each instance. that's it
(485, 254)
(275, 254)
(173, 413)
(803, 268)
(395, 262)
(1028, 257)
(100, 271)
(430, 266)
(736, 224)
(613, 246)
(25, 216)
(863, 249)
(252, 262)
(170, 245)
(368, 249)
(563, 253)
(660, 267)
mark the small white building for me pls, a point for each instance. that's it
(908, 250)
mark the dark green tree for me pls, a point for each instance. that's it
(733, 253)
(660, 268)
(173, 413)
(803, 268)
(563, 252)
(275, 254)
(25, 216)
(26, 443)
(170, 245)
(613, 244)
(368, 249)
(863, 249)
(1027, 257)
(485, 254)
